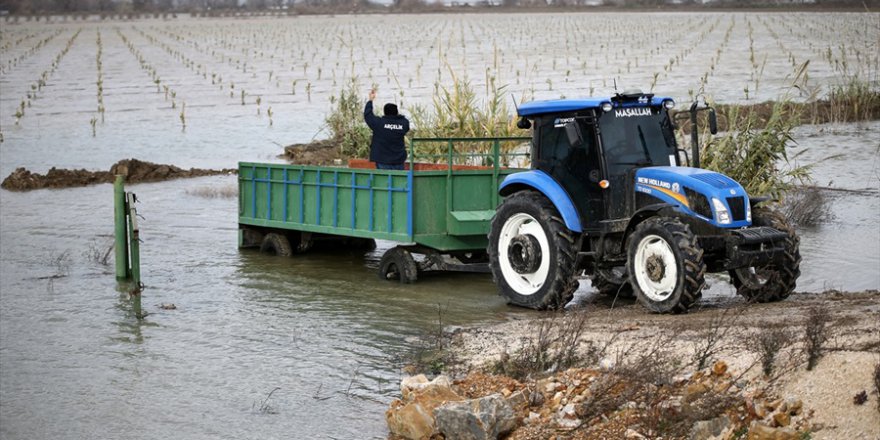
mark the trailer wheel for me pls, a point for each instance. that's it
(398, 264)
(773, 282)
(276, 244)
(532, 253)
(612, 282)
(665, 265)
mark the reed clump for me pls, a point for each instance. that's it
(455, 111)
(754, 152)
(346, 122)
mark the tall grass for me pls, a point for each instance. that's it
(754, 152)
(346, 121)
(455, 111)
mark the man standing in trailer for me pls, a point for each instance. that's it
(387, 148)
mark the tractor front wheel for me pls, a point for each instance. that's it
(772, 282)
(532, 253)
(665, 265)
(612, 282)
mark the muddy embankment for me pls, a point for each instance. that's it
(135, 171)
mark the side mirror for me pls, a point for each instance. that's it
(574, 135)
(713, 122)
(524, 124)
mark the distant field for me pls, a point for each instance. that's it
(127, 87)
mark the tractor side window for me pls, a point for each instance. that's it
(554, 147)
(577, 169)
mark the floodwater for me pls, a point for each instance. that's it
(321, 328)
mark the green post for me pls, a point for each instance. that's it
(121, 236)
(134, 244)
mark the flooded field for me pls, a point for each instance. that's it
(77, 364)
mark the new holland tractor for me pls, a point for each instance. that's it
(611, 195)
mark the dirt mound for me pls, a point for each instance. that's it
(136, 171)
(323, 152)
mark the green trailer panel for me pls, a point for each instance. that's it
(447, 210)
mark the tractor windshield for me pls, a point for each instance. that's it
(636, 137)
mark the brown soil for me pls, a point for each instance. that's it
(135, 171)
(816, 112)
(628, 335)
(321, 152)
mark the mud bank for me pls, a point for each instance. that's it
(320, 152)
(135, 171)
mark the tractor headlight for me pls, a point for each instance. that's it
(721, 213)
(748, 213)
(669, 104)
(606, 107)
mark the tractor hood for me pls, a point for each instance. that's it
(711, 196)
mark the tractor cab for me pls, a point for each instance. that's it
(593, 147)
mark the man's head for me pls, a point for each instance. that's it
(390, 109)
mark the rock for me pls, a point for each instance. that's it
(694, 391)
(773, 405)
(532, 418)
(705, 429)
(682, 378)
(793, 406)
(719, 368)
(536, 399)
(606, 364)
(410, 384)
(518, 400)
(781, 418)
(760, 431)
(567, 417)
(759, 411)
(633, 434)
(413, 418)
(476, 419)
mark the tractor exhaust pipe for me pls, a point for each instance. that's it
(695, 132)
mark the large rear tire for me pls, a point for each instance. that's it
(532, 253)
(665, 265)
(772, 282)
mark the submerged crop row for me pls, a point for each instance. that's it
(281, 67)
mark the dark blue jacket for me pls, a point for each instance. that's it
(388, 132)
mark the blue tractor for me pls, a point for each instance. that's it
(611, 195)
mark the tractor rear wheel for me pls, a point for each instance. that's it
(532, 253)
(612, 282)
(665, 265)
(276, 244)
(772, 282)
(398, 264)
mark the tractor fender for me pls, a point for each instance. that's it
(542, 182)
(644, 214)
